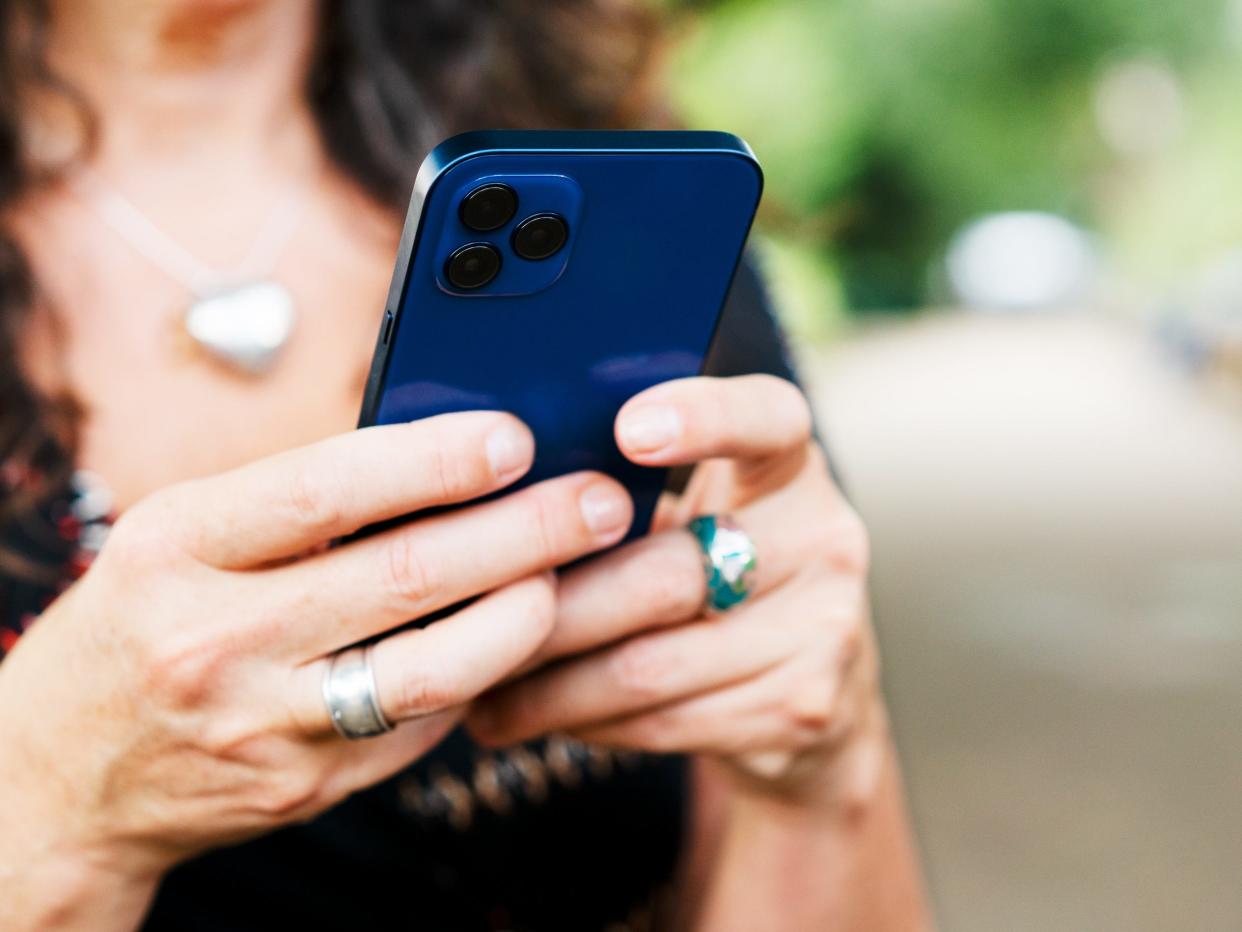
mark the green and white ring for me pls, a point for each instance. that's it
(729, 560)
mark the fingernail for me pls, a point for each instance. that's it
(604, 508)
(646, 430)
(509, 449)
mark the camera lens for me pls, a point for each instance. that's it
(488, 207)
(540, 236)
(472, 266)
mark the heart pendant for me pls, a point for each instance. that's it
(243, 326)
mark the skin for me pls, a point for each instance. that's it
(169, 701)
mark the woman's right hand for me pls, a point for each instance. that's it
(170, 701)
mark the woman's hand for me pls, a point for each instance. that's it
(783, 688)
(171, 701)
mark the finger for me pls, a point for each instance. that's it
(286, 504)
(362, 764)
(762, 724)
(422, 671)
(659, 580)
(372, 585)
(751, 417)
(771, 711)
(644, 672)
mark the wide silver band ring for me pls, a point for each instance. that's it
(350, 695)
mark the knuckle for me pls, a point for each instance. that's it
(817, 462)
(674, 584)
(541, 521)
(441, 467)
(717, 409)
(408, 576)
(851, 638)
(800, 412)
(785, 400)
(849, 544)
(288, 795)
(449, 475)
(141, 537)
(812, 709)
(182, 669)
(232, 737)
(457, 463)
(656, 732)
(315, 501)
(670, 732)
(541, 596)
(641, 670)
(421, 693)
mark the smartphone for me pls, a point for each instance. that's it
(556, 274)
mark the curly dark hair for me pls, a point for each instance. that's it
(389, 79)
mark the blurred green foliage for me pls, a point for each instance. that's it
(884, 125)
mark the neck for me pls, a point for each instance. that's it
(202, 84)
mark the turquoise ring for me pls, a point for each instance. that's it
(728, 560)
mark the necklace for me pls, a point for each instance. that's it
(241, 318)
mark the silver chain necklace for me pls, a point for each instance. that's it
(242, 318)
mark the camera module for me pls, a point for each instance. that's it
(472, 266)
(540, 236)
(488, 207)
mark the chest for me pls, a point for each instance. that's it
(155, 408)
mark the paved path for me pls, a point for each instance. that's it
(1057, 524)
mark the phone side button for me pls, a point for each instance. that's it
(387, 327)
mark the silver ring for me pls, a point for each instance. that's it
(350, 695)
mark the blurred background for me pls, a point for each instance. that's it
(1007, 236)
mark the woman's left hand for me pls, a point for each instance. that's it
(783, 688)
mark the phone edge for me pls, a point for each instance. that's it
(464, 146)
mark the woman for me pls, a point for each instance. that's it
(165, 750)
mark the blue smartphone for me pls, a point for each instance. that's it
(556, 274)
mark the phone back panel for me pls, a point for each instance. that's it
(657, 224)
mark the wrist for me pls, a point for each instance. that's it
(62, 890)
(835, 782)
(62, 865)
(814, 861)
(59, 874)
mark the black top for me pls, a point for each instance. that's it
(552, 835)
